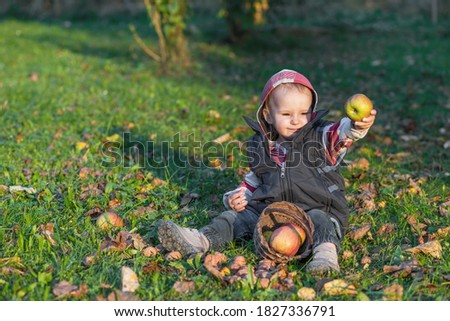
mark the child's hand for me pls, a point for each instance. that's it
(238, 201)
(367, 122)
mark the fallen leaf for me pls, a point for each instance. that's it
(113, 138)
(187, 198)
(29, 190)
(184, 286)
(359, 163)
(150, 251)
(339, 287)
(47, 232)
(359, 233)
(34, 76)
(442, 232)
(152, 267)
(9, 270)
(431, 248)
(95, 212)
(63, 288)
(443, 209)
(387, 228)
(125, 239)
(173, 256)
(306, 294)
(393, 293)
(347, 254)
(84, 172)
(91, 259)
(81, 145)
(130, 282)
(114, 203)
(216, 259)
(222, 139)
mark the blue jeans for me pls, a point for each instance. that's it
(231, 225)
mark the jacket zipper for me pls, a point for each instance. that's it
(285, 181)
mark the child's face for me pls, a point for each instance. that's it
(289, 110)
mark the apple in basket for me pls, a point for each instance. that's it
(285, 240)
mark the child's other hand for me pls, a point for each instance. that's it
(367, 122)
(238, 201)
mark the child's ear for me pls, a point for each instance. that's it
(267, 116)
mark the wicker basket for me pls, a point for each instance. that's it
(274, 216)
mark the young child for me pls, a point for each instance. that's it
(294, 156)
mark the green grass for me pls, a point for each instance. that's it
(93, 81)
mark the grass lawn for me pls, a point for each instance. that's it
(69, 92)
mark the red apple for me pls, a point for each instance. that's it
(108, 220)
(301, 232)
(285, 240)
(358, 107)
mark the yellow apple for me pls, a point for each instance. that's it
(358, 107)
(108, 220)
(285, 240)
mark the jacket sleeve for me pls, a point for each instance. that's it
(337, 137)
(250, 184)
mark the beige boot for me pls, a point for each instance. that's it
(185, 240)
(325, 260)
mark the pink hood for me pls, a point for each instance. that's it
(282, 77)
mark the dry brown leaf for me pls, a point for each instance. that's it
(91, 259)
(187, 198)
(386, 229)
(414, 223)
(222, 139)
(359, 233)
(306, 294)
(393, 293)
(151, 267)
(108, 244)
(431, 248)
(184, 286)
(347, 255)
(442, 232)
(173, 256)
(159, 182)
(264, 282)
(95, 212)
(64, 288)
(130, 282)
(360, 163)
(79, 293)
(216, 273)
(125, 239)
(9, 270)
(216, 259)
(143, 210)
(339, 287)
(114, 203)
(405, 268)
(150, 251)
(84, 172)
(443, 209)
(47, 232)
(34, 76)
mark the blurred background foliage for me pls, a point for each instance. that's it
(171, 19)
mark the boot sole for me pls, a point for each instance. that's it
(172, 241)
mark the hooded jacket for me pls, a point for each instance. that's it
(306, 178)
